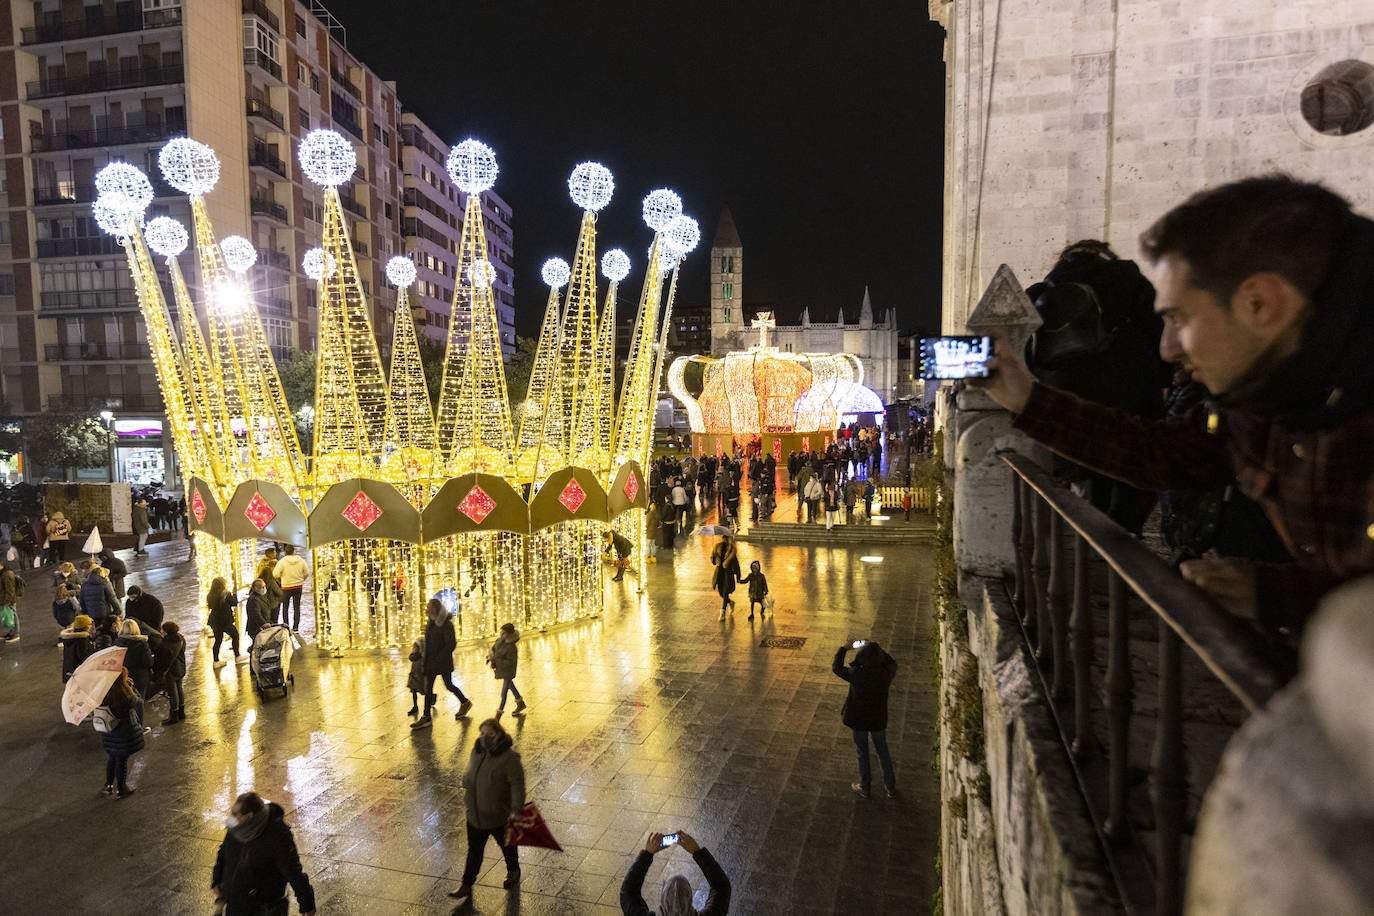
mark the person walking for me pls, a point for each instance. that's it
(98, 599)
(122, 734)
(57, 530)
(758, 588)
(723, 580)
(870, 491)
(495, 794)
(257, 612)
(11, 587)
(221, 603)
(272, 589)
(504, 657)
(440, 641)
(291, 572)
(415, 680)
(832, 504)
(651, 526)
(175, 646)
(676, 897)
(257, 860)
(812, 493)
(138, 658)
(865, 709)
(144, 608)
(141, 526)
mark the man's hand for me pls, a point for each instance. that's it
(654, 845)
(1009, 381)
(684, 839)
(1230, 583)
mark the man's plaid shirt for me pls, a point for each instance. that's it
(1317, 487)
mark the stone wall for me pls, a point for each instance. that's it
(1069, 119)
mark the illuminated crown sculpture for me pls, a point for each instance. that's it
(498, 513)
(784, 401)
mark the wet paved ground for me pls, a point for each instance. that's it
(655, 717)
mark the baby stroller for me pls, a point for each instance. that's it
(270, 661)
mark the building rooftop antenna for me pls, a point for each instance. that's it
(335, 27)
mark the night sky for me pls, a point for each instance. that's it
(819, 124)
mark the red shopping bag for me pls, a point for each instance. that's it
(529, 829)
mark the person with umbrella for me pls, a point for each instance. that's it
(727, 574)
(122, 736)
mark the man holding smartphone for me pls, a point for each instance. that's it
(865, 709)
(677, 890)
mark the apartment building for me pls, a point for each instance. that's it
(433, 219)
(85, 82)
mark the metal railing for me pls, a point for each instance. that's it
(268, 208)
(258, 108)
(97, 27)
(85, 193)
(58, 140)
(266, 157)
(348, 124)
(1053, 599)
(67, 300)
(259, 9)
(271, 258)
(95, 351)
(252, 57)
(83, 403)
(71, 248)
(353, 205)
(134, 78)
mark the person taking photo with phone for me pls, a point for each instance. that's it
(676, 899)
(865, 709)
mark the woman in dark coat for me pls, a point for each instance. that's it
(495, 792)
(504, 659)
(76, 645)
(726, 561)
(440, 641)
(667, 517)
(125, 738)
(257, 860)
(221, 602)
(138, 658)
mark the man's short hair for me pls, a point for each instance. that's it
(250, 803)
(1268, 223)
(290, 549)
(134, 591)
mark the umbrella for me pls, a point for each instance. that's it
(93, 543)
(710, 530)
(89, 683)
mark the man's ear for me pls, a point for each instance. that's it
(1268, 303)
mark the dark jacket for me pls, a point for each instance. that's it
(64, 611)
(139, 518)
(623, 546)
(146, 609)
(758, 585)
(269, 579)
(223, 615)
(632, 890)
(415, 680)
(254, 874)
(505, 656)
(869, 676)
(440, 641)
(495, 784)
(257, 611)
(176, 652)
(117, 567)
(727, 570)
(76, 648)
(127, 737)
(138, 659)
(98, 597)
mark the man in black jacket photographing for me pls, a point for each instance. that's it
(865, 709)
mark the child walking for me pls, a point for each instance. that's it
(504, 657)
(758, 588)
(416, 679)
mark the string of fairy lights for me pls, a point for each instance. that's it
(497, 510)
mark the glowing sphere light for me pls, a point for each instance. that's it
(615, 264)
(239, 253)
(318, 264)
(555, 272)
(478, 269)
(590, 186)
(472, 166)
(327, 158)
(400, 270)
(660, 208)
(122, 178)
(189, 166)
(166, 236)
(114, 214)
(682, 235)
(667, 258)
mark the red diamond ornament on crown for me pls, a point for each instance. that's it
(198, 506)
(573, 496)
(632, 486)
(477, 505)
(258, 512)
(362, 512)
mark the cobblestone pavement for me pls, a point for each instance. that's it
(654, 717)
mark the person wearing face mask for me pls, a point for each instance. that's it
(257, 860)
(257, 610)
(676, 899)
(495, 794)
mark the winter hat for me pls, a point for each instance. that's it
(676, 899)
(81, 623)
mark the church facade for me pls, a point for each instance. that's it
(873, 340)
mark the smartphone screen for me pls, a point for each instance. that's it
(860, 643)
(668, 840)
(955, 357)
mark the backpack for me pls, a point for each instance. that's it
(104, 720)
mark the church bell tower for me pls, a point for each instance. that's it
(727, 296)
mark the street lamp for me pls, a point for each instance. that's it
(108, 417)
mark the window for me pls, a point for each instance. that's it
(727, 263)
(727, 290)
(6, 284)
(305, 119)
(727, 313)
(300, 26)
(257, 37)
(302, 72)
(314, 82)
(4, 231)
(278, 333)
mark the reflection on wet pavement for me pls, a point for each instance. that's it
(654, 717)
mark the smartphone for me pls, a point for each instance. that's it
(668, 840)
(955, 357)
(860, 643)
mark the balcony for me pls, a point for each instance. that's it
(82, 247)
(275, 306)
(270, 209)
(352, 205)
(59, 140)
(257, 108)
(254, 58)
(68, 193)
(135, 78)
(123, 22)
(67, 353)
(360, 248)
(93, 403)
(353, 127)
(259, 9)
(344, 83)
(265, 157)
(279, 260)
(88, 300)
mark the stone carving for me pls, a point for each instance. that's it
(1005, 308)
